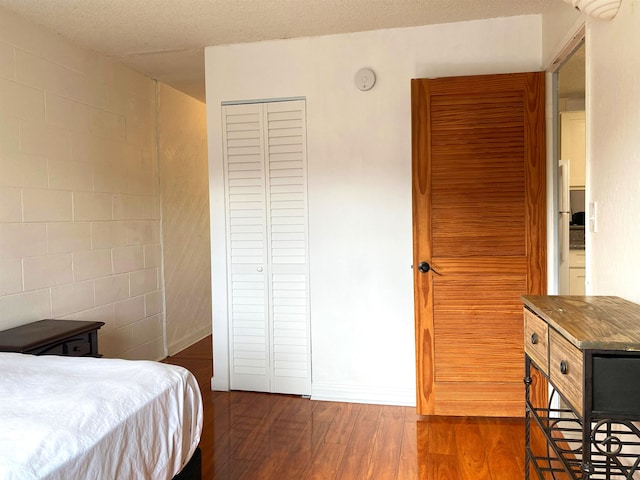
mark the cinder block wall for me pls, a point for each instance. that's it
(80, 210)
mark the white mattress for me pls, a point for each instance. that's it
(95, 418)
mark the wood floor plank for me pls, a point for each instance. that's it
(355, 463)
(503, 443)
(438, 435)
(385, 456)
(408, 463)
(288, 431)
(436, 449)
(343, 423)
(471, 453)
(249, 435)
(437, 466)
(298, 455)
(326, 462)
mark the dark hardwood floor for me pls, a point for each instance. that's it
(261, 436)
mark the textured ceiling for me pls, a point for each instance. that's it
(165, 38)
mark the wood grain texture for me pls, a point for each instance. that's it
(250, 435)
(479, 220)
(536, 340)
(590, 322)
(569, 382)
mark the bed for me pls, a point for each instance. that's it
(65, 418)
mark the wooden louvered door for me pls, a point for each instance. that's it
(265, 178)
(479, 222)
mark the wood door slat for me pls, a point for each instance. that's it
(497, 400)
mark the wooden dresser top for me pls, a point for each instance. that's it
(590, 322)
(43, 332)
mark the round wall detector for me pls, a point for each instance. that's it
(365, 79)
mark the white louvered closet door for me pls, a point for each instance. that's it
(265, 177)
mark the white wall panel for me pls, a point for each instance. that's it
(613, 153)
(359, 182)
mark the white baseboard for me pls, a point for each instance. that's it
(349, 393)
(363, 394)
(219, 385)
(188, 340)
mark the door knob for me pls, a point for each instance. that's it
(425, 267)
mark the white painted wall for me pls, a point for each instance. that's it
(359, 156)
(184, 202)
(613, 157)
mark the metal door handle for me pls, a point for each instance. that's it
(424, 267)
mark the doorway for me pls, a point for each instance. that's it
(571, 133)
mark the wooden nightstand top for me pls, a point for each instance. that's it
(43, 332)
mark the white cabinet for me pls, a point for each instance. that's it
(267, 254)
(577, 275)
(573, 146)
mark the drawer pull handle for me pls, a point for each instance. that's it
(563, 367)
(534, 338)
(76, 349)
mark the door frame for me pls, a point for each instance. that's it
(571, 41)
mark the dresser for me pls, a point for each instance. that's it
(71, 338)
(588, 348)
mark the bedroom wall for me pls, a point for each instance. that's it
(359, 177)
(184, 201)
(613, 158)
(80, 210)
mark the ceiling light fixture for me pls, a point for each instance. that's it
(600, 9)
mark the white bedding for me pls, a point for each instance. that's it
(72, 418)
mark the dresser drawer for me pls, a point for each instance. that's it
(72, 338)
(78, 346)
(536, 340)
(566, 369)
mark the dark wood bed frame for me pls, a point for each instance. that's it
(193, 469)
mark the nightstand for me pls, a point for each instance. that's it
(69, 338)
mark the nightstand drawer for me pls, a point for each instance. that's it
(71, 338)
(73, 347)
(566, 369)
(536, 340)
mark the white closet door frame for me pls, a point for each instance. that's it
(265, 173)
